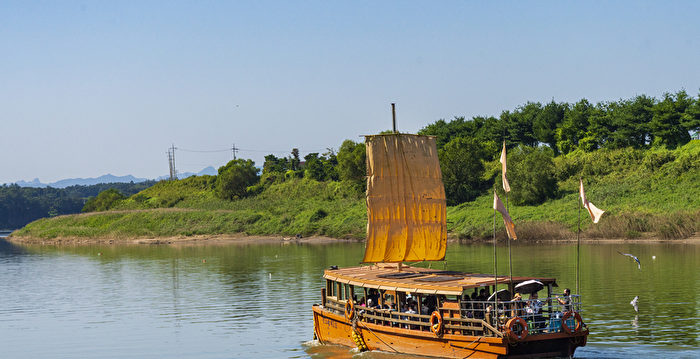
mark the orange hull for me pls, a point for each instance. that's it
(331, 328)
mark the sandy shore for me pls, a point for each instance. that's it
(223, 239)
(232, 239)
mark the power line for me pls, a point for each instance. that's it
(186, 150)
(237, 149)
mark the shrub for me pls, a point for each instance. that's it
(531, 175)
(318, 215)
(235, 178)
(103, 201)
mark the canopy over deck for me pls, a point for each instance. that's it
(419, 280)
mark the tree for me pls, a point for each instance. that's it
(104, 201)
(629, 120)
(274, 164)
(313, 167)
(531, 175)
(545, 124)
(667, 123)
(520, 124)
(234, 178)
(691, 117)
(462, 164)
(573, 128)
(330, 165)
(321, 168)
(600, 127)
(445, 131)
(294, 161)
(351, 161)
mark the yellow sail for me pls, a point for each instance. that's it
(406, 207)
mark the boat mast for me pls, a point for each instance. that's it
(393, 122)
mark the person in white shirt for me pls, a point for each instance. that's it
(533, 309)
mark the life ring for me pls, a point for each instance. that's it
(510, 326)
(436, 323)
(349, 309)
(577, 319)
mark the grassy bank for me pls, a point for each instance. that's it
(652, 192)
(303, 207)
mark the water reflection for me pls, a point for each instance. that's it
(242, 301)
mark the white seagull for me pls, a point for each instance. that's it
(634, 303)
(639, 265)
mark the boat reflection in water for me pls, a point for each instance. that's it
(388, 306)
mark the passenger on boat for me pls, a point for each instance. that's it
(479, 307)
(408, 308)
(373, 295)
(431, 302)
(517, 305)
(424, 308)
(533, 309)
(566, 301)
(470, 303)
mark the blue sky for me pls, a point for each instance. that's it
(95, 87)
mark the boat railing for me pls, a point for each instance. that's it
(476, 317)
(542, 316)
(453, 321)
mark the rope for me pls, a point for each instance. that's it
(380, 339)
(466, 347)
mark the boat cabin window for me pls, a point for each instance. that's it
(340, 291)
(331, 288)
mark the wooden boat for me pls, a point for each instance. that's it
(388, 306)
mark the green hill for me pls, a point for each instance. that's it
(654, 192)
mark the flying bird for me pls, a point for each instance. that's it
(639, 265)
(634, 303)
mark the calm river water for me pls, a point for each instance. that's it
(254, 301)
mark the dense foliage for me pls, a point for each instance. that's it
(103, 201)
(234, 178)
(582, 127)
(637, 150)
(643, 191)
(21, 205)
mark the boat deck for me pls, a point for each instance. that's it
(419, 280)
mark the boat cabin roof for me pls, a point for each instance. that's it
(386, 276)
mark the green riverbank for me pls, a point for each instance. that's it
(645, 193)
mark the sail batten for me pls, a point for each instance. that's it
(406, 206)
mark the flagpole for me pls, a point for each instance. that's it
(510, 257)
(578, 239)
(495, 264)
(506, 190)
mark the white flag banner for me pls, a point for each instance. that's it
(510, 226)
(594, 211)
(506, 186)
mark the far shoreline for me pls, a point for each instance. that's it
(244, 239)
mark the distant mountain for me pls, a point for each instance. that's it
(33, 183)
(108, 178)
